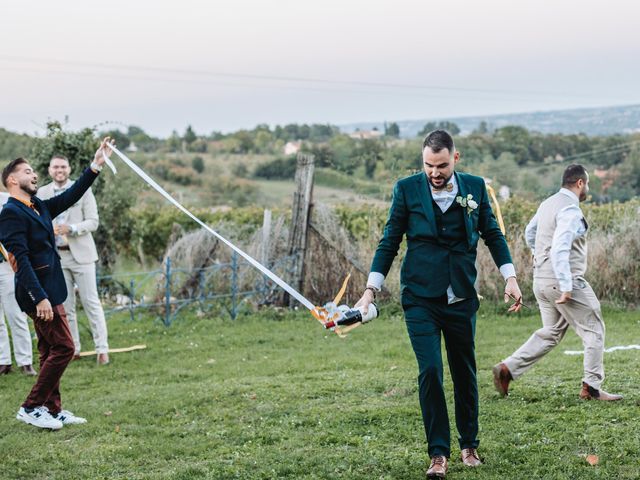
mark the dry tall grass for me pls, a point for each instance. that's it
(334, 250)
(331, 255)
(613, 266)
(613, 238)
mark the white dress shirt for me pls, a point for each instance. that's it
(569, 226)
(62, 218)
(444, 200)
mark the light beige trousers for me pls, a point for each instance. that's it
(18, 322)
(582, 313)
(84, 276)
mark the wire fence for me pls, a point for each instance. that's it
(232, 287)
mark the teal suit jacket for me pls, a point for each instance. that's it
(430, 265)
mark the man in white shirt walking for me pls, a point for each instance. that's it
(78, 256)
(557, 238)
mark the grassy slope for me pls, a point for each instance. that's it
(330, 187)
(275, 397)
(280, 193)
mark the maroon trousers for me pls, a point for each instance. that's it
(56, 348)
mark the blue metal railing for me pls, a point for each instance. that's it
(167, 290)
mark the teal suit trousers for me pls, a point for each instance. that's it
(428, 320)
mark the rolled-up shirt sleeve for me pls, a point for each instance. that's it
(568, 227)
(507, 270)
(375, 280)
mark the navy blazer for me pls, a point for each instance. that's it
(29, 239)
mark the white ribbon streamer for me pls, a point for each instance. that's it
(141, 173)
(109, 163)
(606, 350)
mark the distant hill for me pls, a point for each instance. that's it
(591, 121)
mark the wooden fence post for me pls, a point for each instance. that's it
(300, 220)
(265, 245)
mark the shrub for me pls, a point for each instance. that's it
(173, 170)
(197, 163)
(152, 226)
(240, 170)
(280, 168)
(13, 145)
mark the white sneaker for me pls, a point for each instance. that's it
(39, 417)
(68, 418)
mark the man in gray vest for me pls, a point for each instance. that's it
(557, 238)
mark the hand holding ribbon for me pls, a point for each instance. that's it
(102, 154)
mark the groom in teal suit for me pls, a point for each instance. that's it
(442, 214)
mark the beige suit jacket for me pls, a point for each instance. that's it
(84, 216)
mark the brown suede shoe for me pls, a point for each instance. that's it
(590, 393)
(5, 369)
(438, 468)
(28, 370)
(103, 358)
(470, 457)
(501, 379)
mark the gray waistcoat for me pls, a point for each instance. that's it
(544, 235)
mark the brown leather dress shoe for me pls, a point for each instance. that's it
(5, 369)
(28, 370)
(438, 468)
(470, 457)
(76, 357)
(501, 379)
(103, 358)
(590, 393)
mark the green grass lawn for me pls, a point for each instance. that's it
(274, 396)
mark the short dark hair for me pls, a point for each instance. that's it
(438, 140)
(61, 157)
(573, 173)
(10, 168)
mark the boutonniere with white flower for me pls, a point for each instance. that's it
(467, 202)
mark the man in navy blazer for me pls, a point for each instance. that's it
(26, 231)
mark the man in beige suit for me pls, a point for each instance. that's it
(557, 237)
(78, 256)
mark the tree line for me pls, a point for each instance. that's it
(513, 155)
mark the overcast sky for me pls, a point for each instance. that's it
(224, 65)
